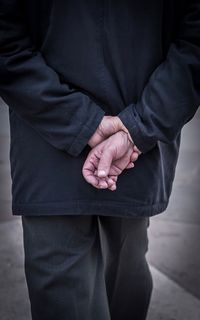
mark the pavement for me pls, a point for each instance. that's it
(174, 239)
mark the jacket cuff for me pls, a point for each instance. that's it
(133, 122)
(86, 132)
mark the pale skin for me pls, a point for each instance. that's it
(113, 151)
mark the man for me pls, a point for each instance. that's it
(91, 87)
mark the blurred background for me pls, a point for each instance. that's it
(174, 239)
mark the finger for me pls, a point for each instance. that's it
(102, 184)
(123, 163)
(105, 162)
(113, 177)
(136, 149)
(108, 182)
(88, 173)
(134, 156)
(110, 179)
(90, 165)
(96, 182)
(113, 187)
(130, 165)
(111, 184)
(91, 179)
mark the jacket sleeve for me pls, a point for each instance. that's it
(63, 116)
(172, 94)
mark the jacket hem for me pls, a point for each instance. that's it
(108, 208)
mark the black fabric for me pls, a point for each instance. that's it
(86, 268)
(66, 64)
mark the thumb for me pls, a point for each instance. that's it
(105, 163)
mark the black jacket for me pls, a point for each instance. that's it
(64, 64)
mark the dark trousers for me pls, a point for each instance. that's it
(87, 267)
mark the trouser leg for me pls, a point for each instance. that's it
(64, 268)
(128, 278)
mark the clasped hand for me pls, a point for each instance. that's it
(113, 151)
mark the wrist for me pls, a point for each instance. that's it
(92, 140)
(97, 136)
(121, 126)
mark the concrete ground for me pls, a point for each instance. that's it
(174, 239)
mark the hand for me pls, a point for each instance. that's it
(108, 126)
(108, 159)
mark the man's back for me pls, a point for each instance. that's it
(64, 70)
(83, 60)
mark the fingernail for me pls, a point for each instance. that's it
(101, 187)
(101, 173)
(114, 187)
